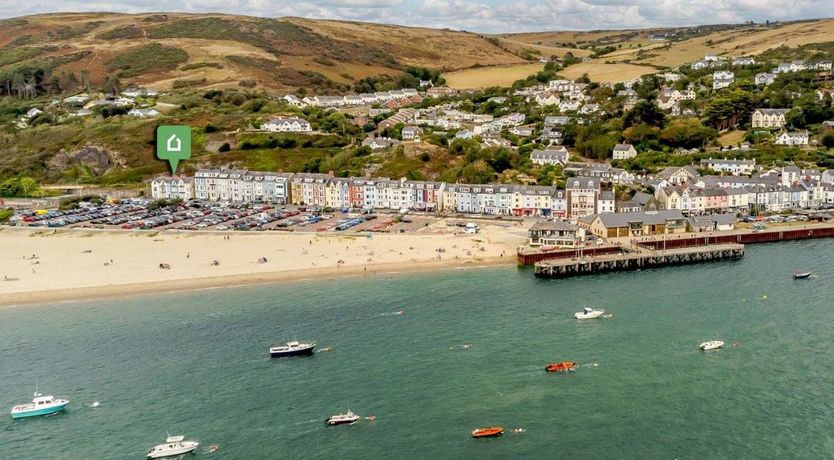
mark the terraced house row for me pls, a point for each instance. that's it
(582, 196)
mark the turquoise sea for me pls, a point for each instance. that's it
(197, 364)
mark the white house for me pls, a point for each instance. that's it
(827, 176)
(550, 156)
(606, 202)
(623, 152)
(732, 166)
(294, 101)
(556, 120)
(376, 143)
(764, 78)
(464, 134)
(569, 106)
(143, 113)
(522, 131)
(744, 60)
(172, 188)
(722, 79)
(769, 118)
(671, 77)
(545, 99)
(698, 65)
(287, 125)
(793, 138)
(412, 133)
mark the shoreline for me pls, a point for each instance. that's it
(243, 280)
(42, 266)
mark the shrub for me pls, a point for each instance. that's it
(151, 57)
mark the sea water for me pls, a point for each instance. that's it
(431, 356)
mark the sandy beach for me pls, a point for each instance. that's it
(44, 265)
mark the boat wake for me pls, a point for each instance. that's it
(589, 365)
(608, 315)
(393, 313)
(465, 346)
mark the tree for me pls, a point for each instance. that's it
(729, 110)
(645, 112)
(687, 133)
(828, 139)
(597, 146)
(641, 133)
(795, 118)
(477, 173)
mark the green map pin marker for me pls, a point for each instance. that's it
(173, 143)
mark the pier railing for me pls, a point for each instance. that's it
(752, 237)
(628, 260)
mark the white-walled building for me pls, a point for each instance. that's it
(172, 188)
(287, 125)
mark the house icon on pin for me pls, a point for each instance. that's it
(174, 144)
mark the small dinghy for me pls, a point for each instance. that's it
(711, 345)
(588, 313)
(801, 276)
(564, 366)
(489, 432)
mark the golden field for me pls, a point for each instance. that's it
(485, 77)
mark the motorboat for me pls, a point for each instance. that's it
(801, 276)
(40, 405)
(173, 446)
(489, 432)
(588, 313)
(292, 349)
(348, 418)
(564, 366)
(711, 345)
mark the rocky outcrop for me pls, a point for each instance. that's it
(98, 159)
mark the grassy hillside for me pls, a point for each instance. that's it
(624, 52)
(219, 50)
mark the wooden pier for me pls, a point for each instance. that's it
(636, 258)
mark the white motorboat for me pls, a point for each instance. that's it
(174, 445)
(40, 405)
(711, 345)
(347, 418)
(588, 313)
(293, 348)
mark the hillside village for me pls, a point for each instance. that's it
(547, 122)
(720, 135)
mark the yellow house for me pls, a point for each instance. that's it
(612, 225)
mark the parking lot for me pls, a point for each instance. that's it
(138, 214)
